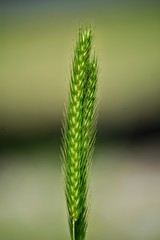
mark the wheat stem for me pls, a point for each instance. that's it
(73, 230)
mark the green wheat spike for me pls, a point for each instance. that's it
(79, 133)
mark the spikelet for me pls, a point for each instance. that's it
(79, 133)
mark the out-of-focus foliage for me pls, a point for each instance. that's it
(35, 57)
(35, 48)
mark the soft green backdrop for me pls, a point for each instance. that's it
(37, 42)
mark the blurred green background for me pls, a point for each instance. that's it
(36, 45)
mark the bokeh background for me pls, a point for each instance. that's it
(36, 44)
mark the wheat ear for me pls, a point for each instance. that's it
(79, 133)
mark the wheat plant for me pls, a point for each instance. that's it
(78, 133)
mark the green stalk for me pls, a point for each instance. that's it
(79, 134)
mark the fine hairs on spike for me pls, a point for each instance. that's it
(78, 133)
